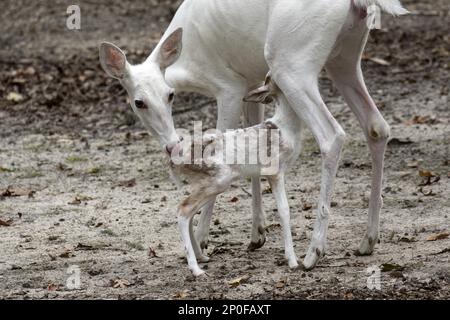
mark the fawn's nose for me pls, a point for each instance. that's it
(171, 145)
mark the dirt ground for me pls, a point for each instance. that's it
(82, 184)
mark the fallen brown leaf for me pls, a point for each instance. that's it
(17, 192)
(238, 281)
(83, 247)
(281, 284)
(440, 236)
(430, 178)
(267, 190)
(152, 253)
(127, 183)
(386, 267)
(6, 223)
(182, 295)
(119, 283)
(52, 287)
(426, 174)
(421, 120)
(66, 254)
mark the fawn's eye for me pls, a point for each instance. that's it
(140, 104)
(171, 97)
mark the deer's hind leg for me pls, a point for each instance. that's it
(345, 71)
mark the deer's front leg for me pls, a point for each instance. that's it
(278, 189)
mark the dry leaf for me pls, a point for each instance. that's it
(281, 284)
(182, 295)
(127, 183)
(421, 120)
(119, 283)
(426, 174)
(380, 61)
(79, 199)
(75, 202)
(152, 253)
(52, 287)
(234, 199)
(440, 236)
(15, 97)
(17, 192)
(430, 178)
(5, 223)
(66, 254)
(272, 227)
(238, 281)
(386, 267)
(267, 190)
(83, 247)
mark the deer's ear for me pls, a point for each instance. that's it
(261, 95)
(113, 60)
(170, 49)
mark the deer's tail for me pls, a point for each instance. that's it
(393, 7)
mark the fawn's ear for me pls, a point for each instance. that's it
(113, 60)
(261, 95)
(170, 49)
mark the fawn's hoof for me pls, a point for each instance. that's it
(203, 259)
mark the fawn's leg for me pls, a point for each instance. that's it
(202, 195)
(278, 188)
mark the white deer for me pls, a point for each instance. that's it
(223, 48)
(210, 174)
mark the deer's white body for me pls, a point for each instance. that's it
(228, 48)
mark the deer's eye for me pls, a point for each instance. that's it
(140, 104)
(171, 97)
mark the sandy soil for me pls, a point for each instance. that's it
(82, 184)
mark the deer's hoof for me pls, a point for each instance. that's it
(367, 246)
(199, 273)
(312, 257)
(258, 239)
